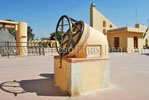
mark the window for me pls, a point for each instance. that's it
(111, 26)
(104, 30)
(104, 23)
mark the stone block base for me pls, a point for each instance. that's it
(81, 75)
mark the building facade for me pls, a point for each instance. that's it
(126, 39)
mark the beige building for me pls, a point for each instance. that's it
(146, 38)
(127, 39)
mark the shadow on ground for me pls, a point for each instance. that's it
(147, 54)
(42, 87)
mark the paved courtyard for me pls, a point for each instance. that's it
(31, 78)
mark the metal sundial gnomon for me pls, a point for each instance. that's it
(70, 32)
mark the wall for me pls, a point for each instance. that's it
(96, 20)
(60, 76)
(144, 28)
(130, 43)
(122, 40)
(146, 38)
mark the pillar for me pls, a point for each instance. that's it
(21, 39)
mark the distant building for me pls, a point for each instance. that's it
(5, 37)
(45, 42)
(127, 39)
(146, 37)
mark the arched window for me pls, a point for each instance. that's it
(104, 23)
(104, 30)
(111, 26)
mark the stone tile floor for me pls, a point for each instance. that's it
(31, 78)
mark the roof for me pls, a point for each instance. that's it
(8, 22)
(126, 29)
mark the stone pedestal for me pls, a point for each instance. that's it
(80, 75)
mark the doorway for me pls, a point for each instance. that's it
(146, 42)
(116, 42)
(135, 42)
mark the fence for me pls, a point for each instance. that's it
(39, 48)
(11, 48)
(128, 50)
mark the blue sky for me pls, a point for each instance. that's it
(42, 15)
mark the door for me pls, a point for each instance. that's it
(146, 42)
(116, 42)
(135, 42)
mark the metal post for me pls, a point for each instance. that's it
(43, 51)
(39, 49)
(8, 48)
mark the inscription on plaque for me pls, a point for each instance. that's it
(23, 36)
(94, 51)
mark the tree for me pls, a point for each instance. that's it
(30, 34)
(52, 36)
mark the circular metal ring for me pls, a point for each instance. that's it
(69, 40)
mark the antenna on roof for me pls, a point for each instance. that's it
(136, 15)
(147, 22)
